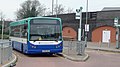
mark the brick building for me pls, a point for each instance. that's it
(101, 25)
(104, 29)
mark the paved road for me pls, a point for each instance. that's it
(97, 59)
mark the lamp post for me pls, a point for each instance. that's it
(2, 29)
(86, 22)
(56, 7)
(79, 29)
(52, 6)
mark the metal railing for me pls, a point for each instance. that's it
(74, 47)
(5, 52)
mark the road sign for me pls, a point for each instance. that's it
(78, 11)
(87, 27)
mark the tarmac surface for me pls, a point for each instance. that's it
(72, 55)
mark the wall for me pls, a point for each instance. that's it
(69, 33)
(97, 33)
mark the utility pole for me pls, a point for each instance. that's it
(79, 30)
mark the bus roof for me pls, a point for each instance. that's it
(23, 21)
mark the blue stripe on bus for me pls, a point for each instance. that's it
(27, 48)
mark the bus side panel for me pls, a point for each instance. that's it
(25, 50)
(17, 45)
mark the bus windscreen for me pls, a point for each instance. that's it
(45, 30)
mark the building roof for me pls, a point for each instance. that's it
(110, 8)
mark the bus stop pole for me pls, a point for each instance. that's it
(79, 29)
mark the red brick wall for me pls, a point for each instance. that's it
(97, 33)
(69, 32)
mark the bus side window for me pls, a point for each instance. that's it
(24, 31)
(12, 31)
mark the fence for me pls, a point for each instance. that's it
(74, 47)
(5, 52)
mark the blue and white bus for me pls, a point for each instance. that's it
(37, 35)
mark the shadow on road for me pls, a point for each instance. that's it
(37, 55)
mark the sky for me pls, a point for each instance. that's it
(9, 7)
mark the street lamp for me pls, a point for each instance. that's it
(56, 7)
(86, 22)
(79, 30)
(52, 6)
(2, 29)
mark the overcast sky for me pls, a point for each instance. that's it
(8, 7)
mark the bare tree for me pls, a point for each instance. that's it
(59, 9)
(47, 12)
(30, 8)
(69, 10)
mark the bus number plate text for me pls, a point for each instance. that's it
(45, 50)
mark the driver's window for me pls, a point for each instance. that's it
(24, 31)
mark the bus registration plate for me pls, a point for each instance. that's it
(45, 50)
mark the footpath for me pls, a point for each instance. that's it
(10, 63)
(103, 46)
(73, 55)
